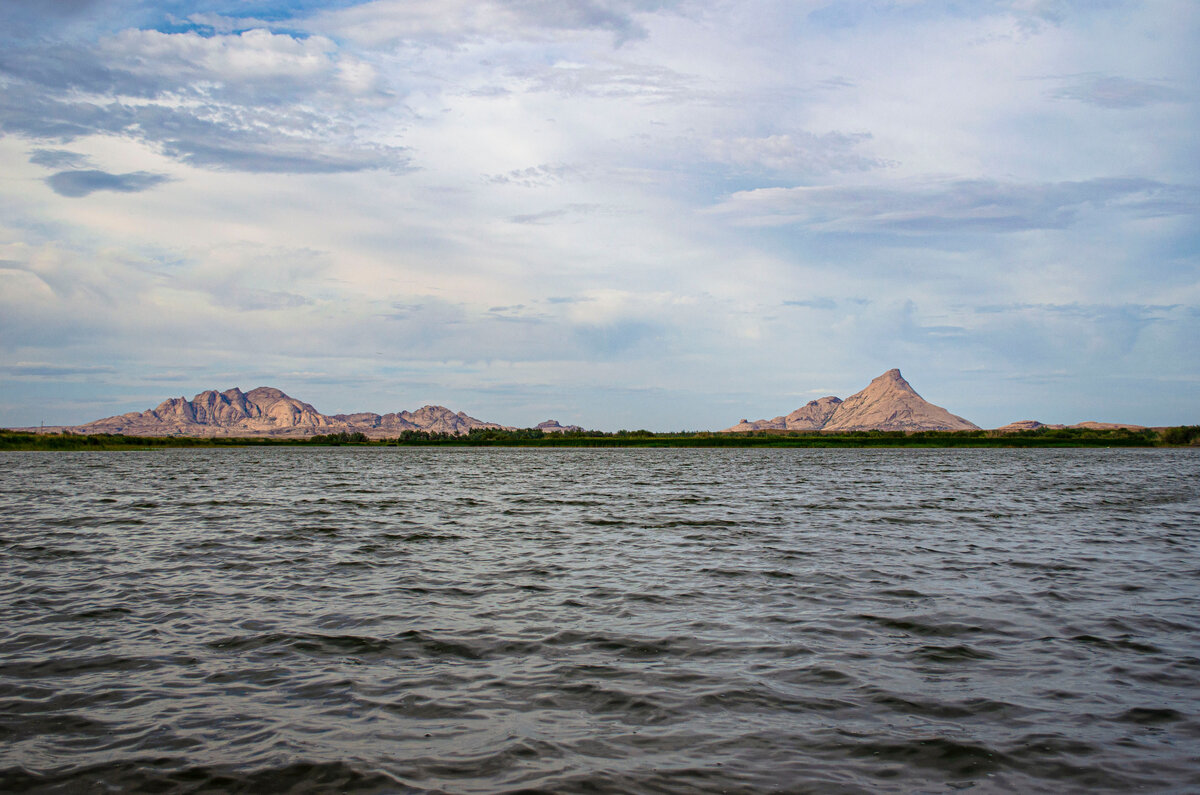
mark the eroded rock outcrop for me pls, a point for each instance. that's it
(1027, 425)
(553, 426)
(267, 411)
(889, 403)
(1033, 425)
(812, 416)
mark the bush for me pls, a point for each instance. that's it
(1182, 434)
(340, 438)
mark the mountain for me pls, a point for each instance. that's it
(266, 411)
(1107, 426)
(1027, 425)
(435, 419)
(1032, 425)
(553, 426)
(889, 403)
(812, 416)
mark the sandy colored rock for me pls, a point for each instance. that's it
(553, 426)
(812, 416)
(267, 411)
(1107, 426)
(1033, 425)
(889, 403)
(1027, 425)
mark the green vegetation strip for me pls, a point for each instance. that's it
(1042, 437)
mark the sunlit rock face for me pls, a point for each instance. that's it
(267, 411)
(889, 403)
(812, 416)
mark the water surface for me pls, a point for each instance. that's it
(501, 620)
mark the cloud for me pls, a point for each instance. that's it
(611, 78)
(1119, 93)
(1127, 336)
(254, 101)
(248, 299)
(918, 207)
(446, 22)
(58, 158)
(267, 68)
(252, 66)
(538, 176)
(25, 18)
(50, 370)
(801, 151)
(814, 303)
(565, 299)
(549, 216)
(76, 184)
(618, 338)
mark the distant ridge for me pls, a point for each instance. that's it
(889, 403)
(1033, 425)
(267, 411)
(554, 426)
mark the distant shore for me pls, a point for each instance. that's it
(1180, 436)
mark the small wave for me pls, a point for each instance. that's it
(951, 654)
(168, 774)
(1123, 644)
(914, 626)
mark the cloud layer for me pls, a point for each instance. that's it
(615, 212)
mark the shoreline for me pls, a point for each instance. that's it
(1176, 437)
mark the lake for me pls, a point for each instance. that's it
(559, 620)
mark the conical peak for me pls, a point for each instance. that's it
(892, 379)
(891, 375)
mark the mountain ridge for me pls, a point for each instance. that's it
(888, 403)
(267, 411)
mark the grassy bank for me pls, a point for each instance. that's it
(1042, 437)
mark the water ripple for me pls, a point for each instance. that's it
(475, 621)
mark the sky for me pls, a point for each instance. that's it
(662, 214)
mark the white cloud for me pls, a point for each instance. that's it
(954, 206)
(1108, 91)
(445, 22)
(803, 152)
(243, 57)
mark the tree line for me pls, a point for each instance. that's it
(1184, 435)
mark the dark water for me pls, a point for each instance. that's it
(406, 620)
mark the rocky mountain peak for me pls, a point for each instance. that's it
(888, 403)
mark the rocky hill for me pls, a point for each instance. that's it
(812, 416)
(889, 403)
(554, 426)
(266, 411)
(1033, 425)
